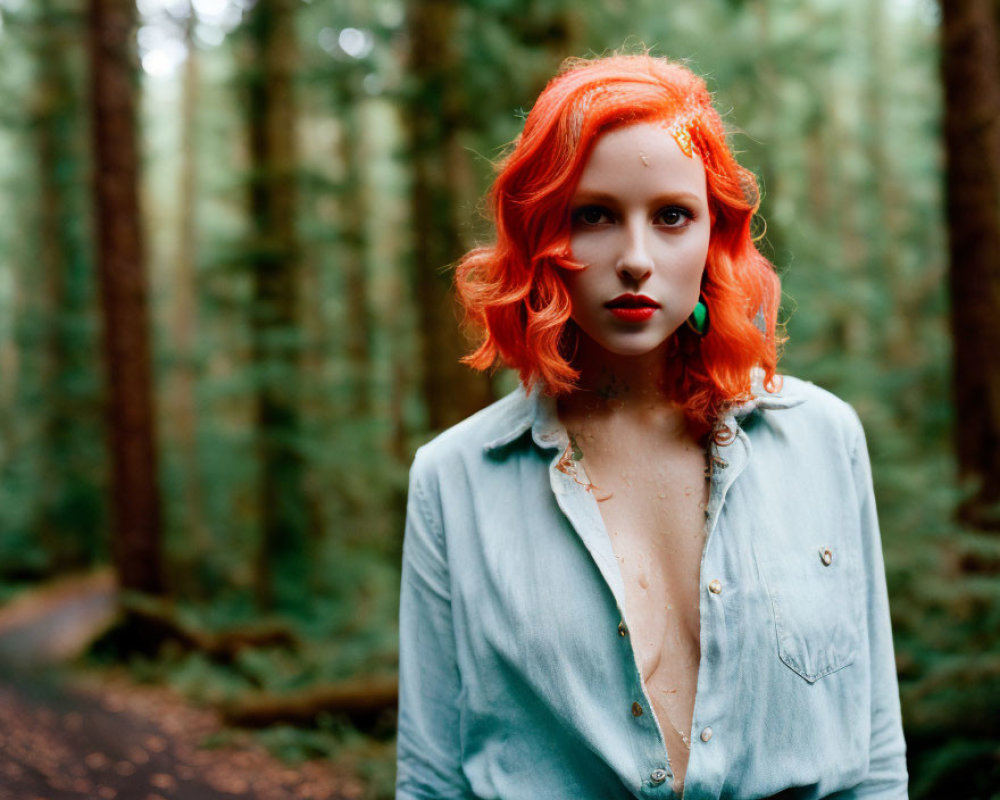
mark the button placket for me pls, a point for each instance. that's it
(738, 453)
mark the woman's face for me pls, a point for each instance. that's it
(640, 227)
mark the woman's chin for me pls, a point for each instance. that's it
(624, 348)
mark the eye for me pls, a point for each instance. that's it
(591, 215)
(673, 217)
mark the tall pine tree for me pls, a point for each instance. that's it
(136, 545)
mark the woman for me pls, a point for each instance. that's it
(655, 568)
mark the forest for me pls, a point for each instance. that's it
(227, 229)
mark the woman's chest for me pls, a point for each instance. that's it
(656, 527)
(543, 570)
(652, 495)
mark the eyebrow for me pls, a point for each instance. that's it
(586, 196)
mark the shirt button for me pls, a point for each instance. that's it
(826, 556)
(658, 776)
(636, 710)
(715, 587)
(706, 734)
(622, 628)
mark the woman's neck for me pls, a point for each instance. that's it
(624, 387)
(627, 379)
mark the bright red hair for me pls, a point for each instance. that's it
(512, 290)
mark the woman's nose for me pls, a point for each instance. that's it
(635, 261)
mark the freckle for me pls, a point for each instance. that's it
(643, 583)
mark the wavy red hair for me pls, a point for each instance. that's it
(512, 291)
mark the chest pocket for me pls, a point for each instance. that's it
(812, 579)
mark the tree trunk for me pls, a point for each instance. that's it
(353, 212)
(136, 545)
(434, 116)
(365, 701)
(282, 563)
(391, 304)
(184, 311)
(970, 67)
(894, 334)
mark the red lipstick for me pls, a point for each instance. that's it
(632, 307)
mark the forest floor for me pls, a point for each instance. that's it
(97, 735)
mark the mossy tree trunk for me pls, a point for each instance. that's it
(282, 562)
(182, 394)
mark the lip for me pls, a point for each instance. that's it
(632, 307)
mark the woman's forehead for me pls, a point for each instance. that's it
(646, 154)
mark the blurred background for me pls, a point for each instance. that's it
(226, 324)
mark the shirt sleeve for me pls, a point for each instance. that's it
(887, 778)
(428, 761)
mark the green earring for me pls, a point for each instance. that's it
(698, 321)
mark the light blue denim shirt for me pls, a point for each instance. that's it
(517, 673)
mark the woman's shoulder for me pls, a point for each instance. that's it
(793, 392)
(489, 429)
(800, 408)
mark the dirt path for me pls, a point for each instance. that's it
(98, 736)
(55, 622)
(105, 739)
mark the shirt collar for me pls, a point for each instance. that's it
(762, 400)
(534, 410)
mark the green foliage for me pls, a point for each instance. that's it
(52, 467)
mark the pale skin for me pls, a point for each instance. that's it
(641, 228)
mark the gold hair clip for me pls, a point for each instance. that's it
(682, 135)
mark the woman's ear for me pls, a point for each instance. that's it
(751, 191)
